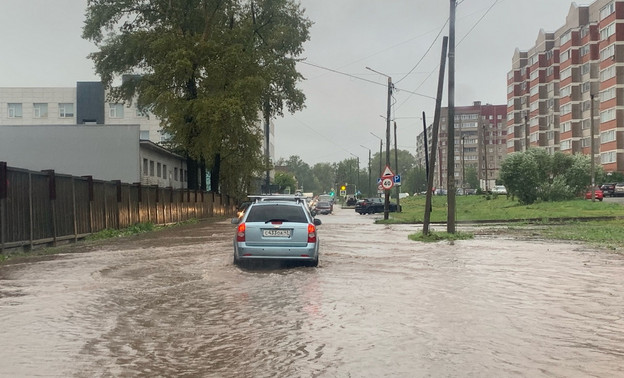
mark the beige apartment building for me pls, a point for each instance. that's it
(480, 138)
(570, 80)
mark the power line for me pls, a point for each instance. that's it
(366, 80)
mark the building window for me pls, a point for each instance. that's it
(564, 56)
(607, 53)
(40, 110)
(534, 90)
(566, 144)
(565, 37)
(565, 109)
(607, 94)
(175, 173)
(116, 110)
(607, 136)
(608, 157)
(607, 32)
(607, 73)
(585, 142)
(586, 105)
(566, 126)
(584, 31)
(534, 75)
(164, 175)
(66, 110)
(584, 50)
(566, 73)
(565, 91)
(607, 115)
(152, 168)
(586, 123)
(145, 167)
(158, 170)
(15, 110)
(585, 69)
(144, 135)
(607, 10)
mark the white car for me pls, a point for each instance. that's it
(499, 189)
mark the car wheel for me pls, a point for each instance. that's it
(599, 199)
(313, 263)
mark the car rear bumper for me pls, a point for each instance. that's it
(308, 253)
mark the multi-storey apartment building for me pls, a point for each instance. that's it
(479, 143)
(569, 81)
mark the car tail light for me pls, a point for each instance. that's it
(240, 233)
(311, 233)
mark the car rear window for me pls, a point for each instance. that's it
(276, 212)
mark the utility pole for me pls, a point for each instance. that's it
(426, 146)
(434, 140)
(485, 162)
(387, 192)
(396, 166)
(267, 151)
(380, 152)
(450, 172)
(463, 157)
(592, 144)
(370, 193)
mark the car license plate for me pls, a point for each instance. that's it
(276, 233)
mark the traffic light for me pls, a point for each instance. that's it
(344, 187)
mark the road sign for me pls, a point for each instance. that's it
(387, 183)
(397, 179)
(387, 172)
(343, 193)
(378, 180)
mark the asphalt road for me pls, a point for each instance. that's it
(172, 304)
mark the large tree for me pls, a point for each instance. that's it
(205, 68)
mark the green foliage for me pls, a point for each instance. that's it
(132, 230)
(472, 177)
(536, 175)
(206, 68)
(433, 236)
(285, 181)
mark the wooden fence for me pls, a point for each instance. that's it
(45, 207)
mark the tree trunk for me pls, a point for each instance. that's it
(214, 174)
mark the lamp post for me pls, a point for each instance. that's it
(463, 146)
(380, 149)
(387, 201)
(370, 192)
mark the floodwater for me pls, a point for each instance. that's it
(172, 303)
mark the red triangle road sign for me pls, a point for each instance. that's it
(387, 172)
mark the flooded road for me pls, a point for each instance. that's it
(171, 303)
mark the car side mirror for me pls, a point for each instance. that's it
(317, 222)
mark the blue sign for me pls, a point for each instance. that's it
(378, 180)
(397, 179)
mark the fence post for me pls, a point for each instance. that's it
(118, 202)
(139, 200)
(90, 193)
(73, 182)
(4, 193)
(52, 194)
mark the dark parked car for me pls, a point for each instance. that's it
(618, 190)
(608, 189)
(373, 205)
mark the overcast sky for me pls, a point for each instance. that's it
(42, 47)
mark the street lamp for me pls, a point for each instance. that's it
(380, 149)
(369, 171)
(387, 201)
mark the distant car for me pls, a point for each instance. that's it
(618, 190)
(403, 195)
(324, 207)
(608, 189)
(276, 230)
(373, 205)
(598, 194)
(499, 189)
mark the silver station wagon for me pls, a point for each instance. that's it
(277, 230)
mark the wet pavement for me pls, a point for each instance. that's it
(171, 303)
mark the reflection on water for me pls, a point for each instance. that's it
(173, 304)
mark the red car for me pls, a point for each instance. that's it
(598, 194)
